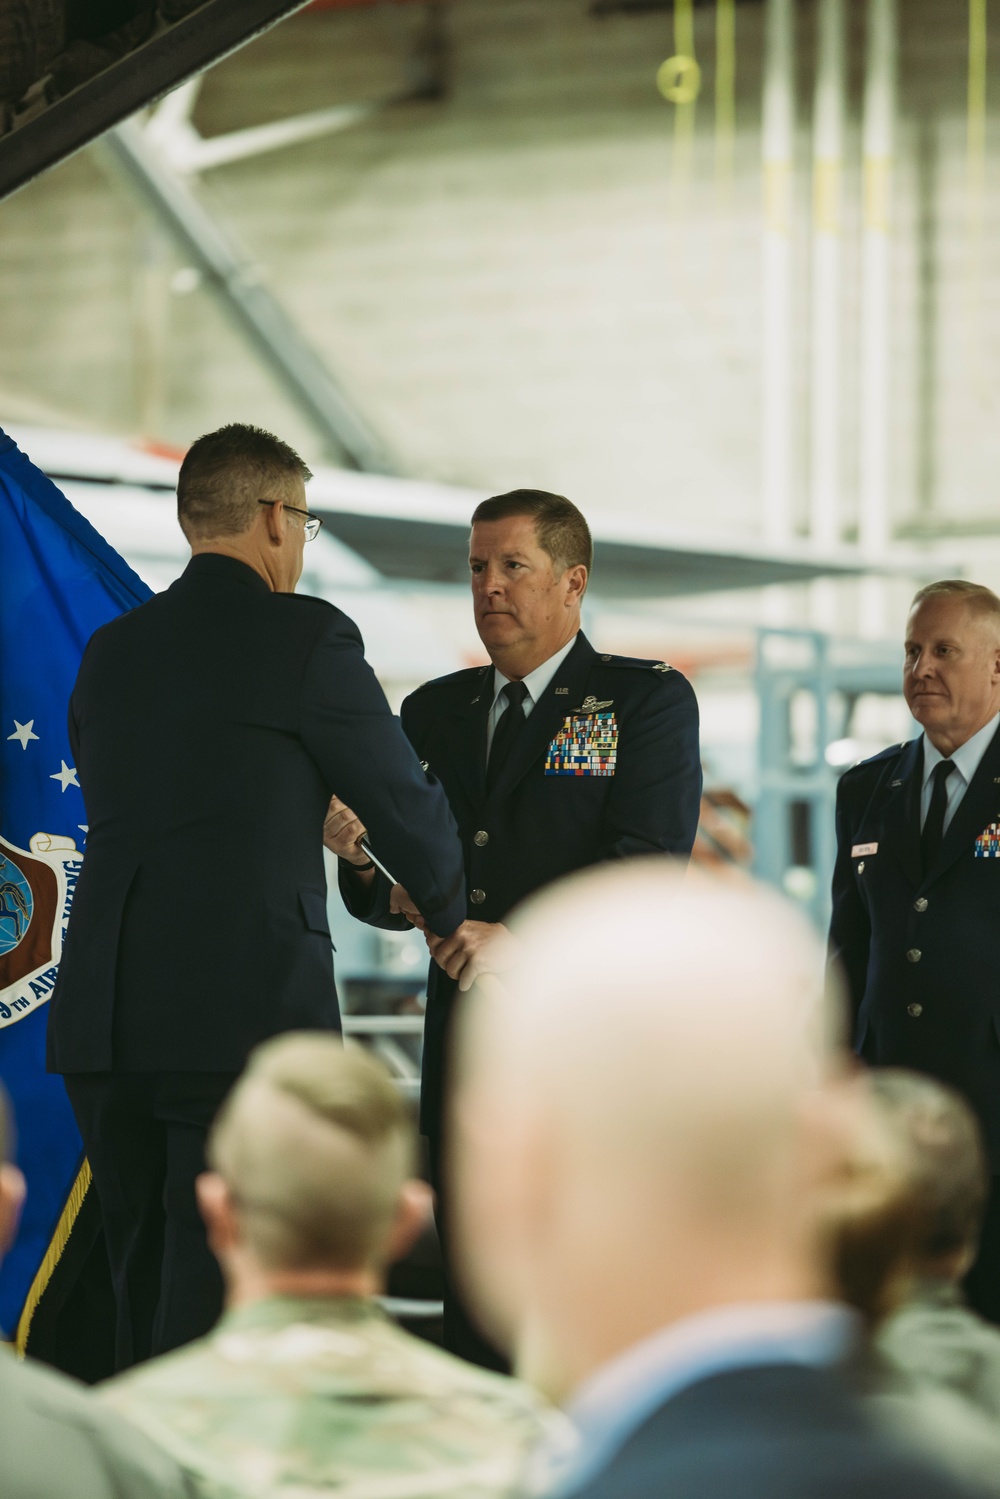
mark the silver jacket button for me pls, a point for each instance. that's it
(914, 955)
(921, 904)
(481, 838)
(477, 897)
(915, 1010)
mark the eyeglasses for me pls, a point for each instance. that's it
(312, 522)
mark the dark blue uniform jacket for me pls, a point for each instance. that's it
(921, 950)
(537, 825)
(210, 726)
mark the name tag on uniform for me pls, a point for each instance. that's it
(586, 745)
(988, 842)
(862, 850)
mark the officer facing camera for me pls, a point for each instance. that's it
(553, 757)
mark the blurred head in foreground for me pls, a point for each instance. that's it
(311, 1188)
(11, 1179)
(647, 1111)
(915, 1205)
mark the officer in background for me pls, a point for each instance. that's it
(916, 889)
(210, 727)
(553, 758)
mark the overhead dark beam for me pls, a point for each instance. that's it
(139, 78)
(232, 277)
(437, 551)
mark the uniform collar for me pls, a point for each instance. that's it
(536, 681)
(218, 566)
(968, 755)
(280, 1311)
(617, 1399)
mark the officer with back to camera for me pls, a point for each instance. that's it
(554, 757)
(210, 727)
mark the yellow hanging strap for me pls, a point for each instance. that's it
(679, 81)
(725, 94)
(975, 180)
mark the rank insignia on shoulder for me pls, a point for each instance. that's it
(662, 666)
(591, 705)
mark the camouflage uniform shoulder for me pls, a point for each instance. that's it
(59, 1439)
(315, 1398)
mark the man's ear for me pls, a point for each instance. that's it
(215, 1203)
(275, 522)
(576, 583)
(413, 1212)
(12, 1194)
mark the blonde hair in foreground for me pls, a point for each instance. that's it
(314, 1144)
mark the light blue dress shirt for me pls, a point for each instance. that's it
(536, 682)
(622, 1395)
(966, 762)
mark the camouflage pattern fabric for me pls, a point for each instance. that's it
(293, 1398)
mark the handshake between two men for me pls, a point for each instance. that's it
(473, 948)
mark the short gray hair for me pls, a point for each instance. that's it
(976, 596)
(226, 473)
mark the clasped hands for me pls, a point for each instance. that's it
(473, 948)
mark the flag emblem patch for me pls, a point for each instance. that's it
(586, 745)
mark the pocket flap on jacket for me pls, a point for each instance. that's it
(313, 903)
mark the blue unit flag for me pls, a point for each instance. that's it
(59, 581)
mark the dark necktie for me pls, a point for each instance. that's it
(933, 834)
(509, 726)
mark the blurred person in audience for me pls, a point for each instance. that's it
(57, 1440)
(650, 1108)
(305, 1386)
(892, 1196)
(917, 879)
(554, 757)
(932, 1332)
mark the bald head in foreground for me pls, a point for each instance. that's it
(649, 1117)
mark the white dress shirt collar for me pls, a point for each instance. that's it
(536, 681)
(966, 758)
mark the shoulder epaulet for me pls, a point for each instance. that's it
(636, 662)
(890, 753)
(467, 675)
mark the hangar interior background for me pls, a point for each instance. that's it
(722, 272)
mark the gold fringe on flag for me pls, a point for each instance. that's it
(53, 1255)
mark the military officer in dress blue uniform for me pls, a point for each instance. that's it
(553, 758)
(916, 890)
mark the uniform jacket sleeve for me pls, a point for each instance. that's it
(656, 796)
(351, 733)
(850, 928)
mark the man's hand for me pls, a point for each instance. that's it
(400, 904)
(342, 832)
(473, 948)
